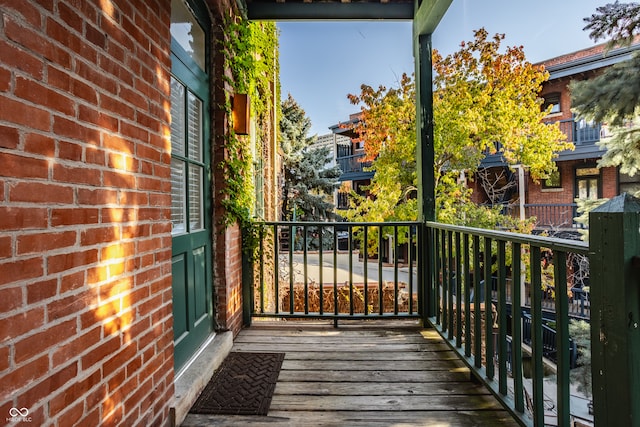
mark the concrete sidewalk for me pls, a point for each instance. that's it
(343, 268)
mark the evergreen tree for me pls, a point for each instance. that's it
(618, 22)
(580, 331)
(614, 96)
(307, 183)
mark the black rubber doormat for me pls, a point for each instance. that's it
(243, 385)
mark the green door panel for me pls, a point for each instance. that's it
(191, 213)
(192, 296)
(179, 287)
(201, 303)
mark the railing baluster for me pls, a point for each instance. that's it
(438, 275)
(424, 271)
(583, 298)
(477, 311)
(502, 318)
(537, 373)
(335, 274)
(365, 260)
(562, 336)
(443, 281)
(411, 257)
(262, 231)
(276, 270)
(467, 296)
(292, 295)
(320, 271)
(516, 326)
(305, 269)
(458, 286)
(350, 243)
(430, 257)
(449, 283)
(395, 270)
(488, 309)
(380, 282)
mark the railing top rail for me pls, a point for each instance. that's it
(336, 223)
(351, 156)
(507, 236)
(545, 205)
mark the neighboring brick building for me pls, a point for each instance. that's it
(103, 120)
(350, 156)
(553, 201)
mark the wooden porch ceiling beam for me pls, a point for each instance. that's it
(283, 11)
(428, 15)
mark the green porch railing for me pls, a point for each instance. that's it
(337, 270)
(483, 291)
(468, 264)
(342, 271)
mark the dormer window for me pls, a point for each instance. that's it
(552, 100)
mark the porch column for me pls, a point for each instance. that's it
(424, 126)
(614, 241)
(424, 165)
(427, 15)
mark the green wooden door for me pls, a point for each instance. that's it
(190, 183)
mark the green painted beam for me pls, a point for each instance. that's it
(330, 11)
(428, 14)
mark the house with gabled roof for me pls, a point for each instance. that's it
(552, 201)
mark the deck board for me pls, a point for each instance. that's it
(371, 375)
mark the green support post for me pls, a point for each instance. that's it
(614, 243)
(247, 289)
(424, 147)
(427, 15)
(425, 156)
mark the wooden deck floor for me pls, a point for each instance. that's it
(363, 375)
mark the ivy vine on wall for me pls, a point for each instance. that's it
(251, 55)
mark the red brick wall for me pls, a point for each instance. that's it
(559, 86)
(228, 280)
(227, 262)
(609, 182)
(535, 193)
(85, 246)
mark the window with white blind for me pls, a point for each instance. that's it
(187, 167)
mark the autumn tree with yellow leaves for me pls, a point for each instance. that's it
(485, 100)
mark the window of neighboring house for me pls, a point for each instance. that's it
(554, 181)
(552, 100)
(588, 183)
(342, 201)
(629, 184)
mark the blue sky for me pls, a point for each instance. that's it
(322, 62)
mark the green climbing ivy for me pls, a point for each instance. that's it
(251, 55)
